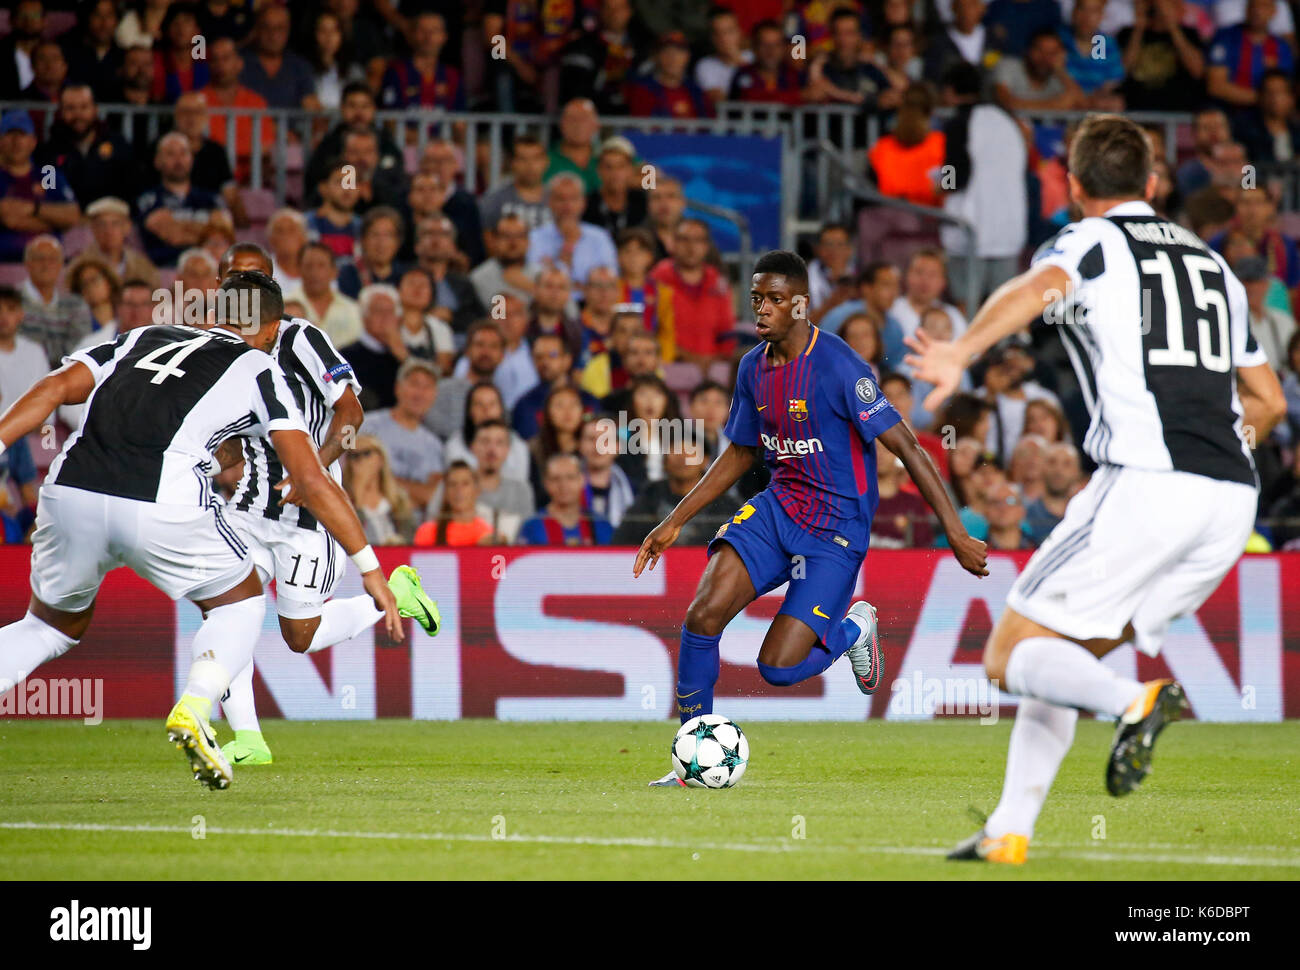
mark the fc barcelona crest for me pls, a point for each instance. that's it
(798, 409)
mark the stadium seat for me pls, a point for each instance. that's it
(76, 239)
(12, 274)
(259, 204)
(254, 234)
(885, 233)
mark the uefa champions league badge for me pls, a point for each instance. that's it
(866, 390)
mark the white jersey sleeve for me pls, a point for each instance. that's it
(328, 371)
(273, 402)
(101, 357)
(1077, 249)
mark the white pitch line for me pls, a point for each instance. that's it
(1049, 850)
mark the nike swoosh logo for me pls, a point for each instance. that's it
(817, 611)
(428, 616)
(763, 407)
(682, 697)
(244, 758)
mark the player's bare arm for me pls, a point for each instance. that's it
(348, 415)
(1012, 305)
(1262, 398)
(70, 384)
(722, 474)
(970, 552)
(229, 453)
(326, 500)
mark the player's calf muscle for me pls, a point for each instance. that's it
(723, 592)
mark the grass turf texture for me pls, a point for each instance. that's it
(401, 799)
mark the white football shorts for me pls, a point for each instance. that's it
(306, 564)
(1135, 545)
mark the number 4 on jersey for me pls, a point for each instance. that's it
(171, 368)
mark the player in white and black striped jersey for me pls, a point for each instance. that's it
(1157, 329)
(286, 541)
(132, 488)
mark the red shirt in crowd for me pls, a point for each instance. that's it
(692, 318)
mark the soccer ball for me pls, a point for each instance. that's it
(710, 751)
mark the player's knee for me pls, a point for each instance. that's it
(995, 662)
(778, 676)
(705, 618)
(297, 635)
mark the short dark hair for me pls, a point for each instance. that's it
(244, 248)
(763, 26)
(384, 212)
(893, 375)
(869, 272)
(704, 387)
(526, 138)
(1039, 33)
(357, 87)
(267, 290)
(132, 283)
(784, 263)
(489, 423)
(963, 78)
(841, 13)
(10, 294)
(1111, 157)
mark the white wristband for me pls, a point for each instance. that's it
(3, 449)
(365, 560)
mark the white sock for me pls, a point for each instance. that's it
(26, 644)
(1040, 739)
(237, 706)
(224, 646)
(343, 619)
(1064, 673)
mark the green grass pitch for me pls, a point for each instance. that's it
(492, 800)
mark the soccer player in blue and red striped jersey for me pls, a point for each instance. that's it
(811, 408)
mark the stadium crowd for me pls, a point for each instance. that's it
(550, 361)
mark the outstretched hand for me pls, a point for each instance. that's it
(937, 362)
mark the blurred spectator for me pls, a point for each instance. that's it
(640, 359)
(135, 87)
(607, 492)
(484, 353)
(924, 281)
(524, 194)
(1044, 418)
(667, 91)
(227, 91)
(504, 273)
(727, 54)
(562, 414)
(1164, 62)
(899, 61)
(709, 406)
(356, 113)
(484, 404)
(575, 152)
(1210, 134)
(378, 183)
(49, 71)
(619, 203)
(23, 361)
(173, 214)
(876, 291)
(1026, 466)
(176, 66)
(688, 16)
(964, 40)
(26, 24)
(196, 272)
(381, 504)
(1240, 55)
(280, 76)
(225, 18)
(636, 255)
(1208, 213)
(442, 159)
(600, 299)
(134, 309)
(336, 314)
(1012, 23)
(936, 324)
(458, 519)
(906, 162)
(1006, 517)
(683, 469)
(554, 366)
(1291, 388)
(1270, 131)
(666, 207)
(695, 310)
(423, 332)
(534, 32)
(55, 320)
(898, 390)
(435, 251)
(27, 207)
(988, 155)
(653, 414)
(369, 46)
(110, 224)
(568, 242)
(211, 169)
(425, 79)
(771, 78)
(19, 481)
(415, 453)
(335, 222)
(605, 372)
(508, 496)
(903, 519)
(376, 262)
(844, 74)
(286, 234)
(95, 161)
(1271, 327)
(1092, 58)
(831, 275)
(515, 375)
(562, 522)
(217, 237)
(379, 349)
(1255, 219)
(99, 287)
(1237, 247)
(1008, 386)
(550, 310)
(1039, 81)
(1062, 477)
(601, 59)
(141, 24)
(862, 336)
(331, 60)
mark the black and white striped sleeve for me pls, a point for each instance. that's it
(331, 374)
(273, 402)
(101, 356)
(1077, 249)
